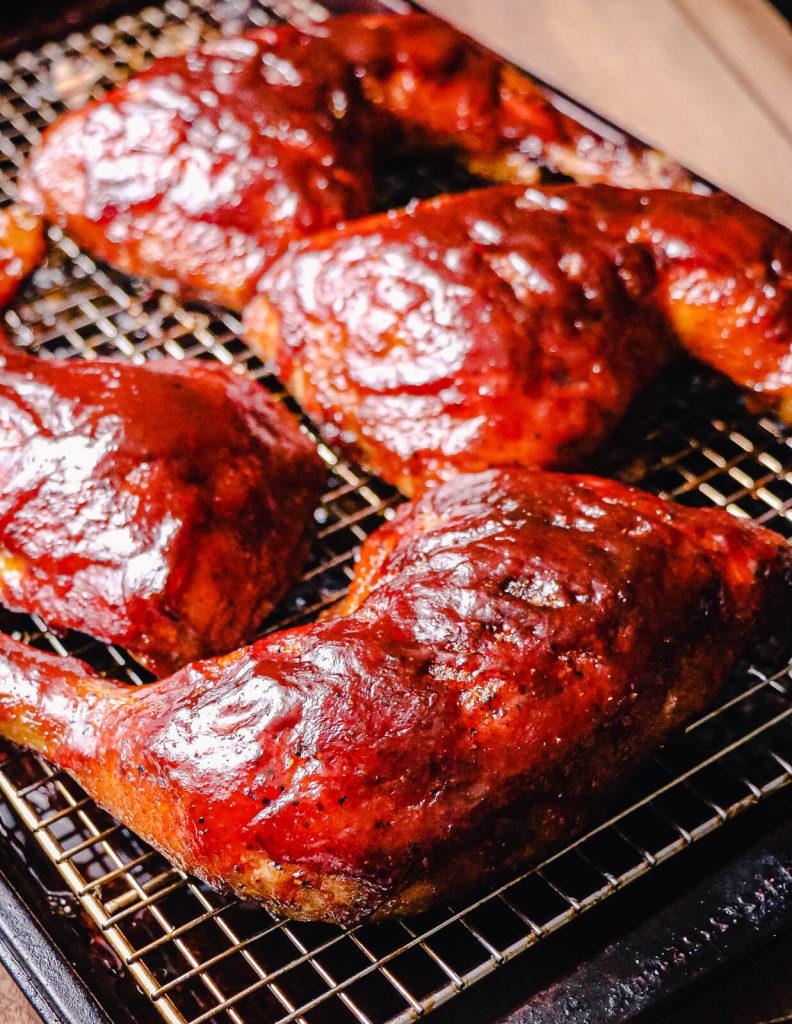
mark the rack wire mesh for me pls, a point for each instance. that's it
(198, 956)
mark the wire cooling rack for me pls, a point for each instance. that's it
(199, 956)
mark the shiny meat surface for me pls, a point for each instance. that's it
(163, 507)
(443, 88)
(198, 172)
(513, 645)
(21, 248)
(513, 327)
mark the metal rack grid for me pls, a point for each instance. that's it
(199, 956)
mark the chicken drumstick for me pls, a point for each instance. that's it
(513, 644)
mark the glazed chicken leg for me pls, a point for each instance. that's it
(513, 327)
(198, 172)
(512, 645)
(163, 507)
(21, 248)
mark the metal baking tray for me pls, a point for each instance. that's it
(127, 937)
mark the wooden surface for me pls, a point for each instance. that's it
(14, 1008)
(710, 82)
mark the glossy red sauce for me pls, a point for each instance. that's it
(163, 507)
(510, 326)
(201, 170)
(513, 644)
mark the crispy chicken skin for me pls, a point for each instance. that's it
(513, 644)
(21, 248)
(162, 507)
(509, 326)
(441, 87)
(198, 172)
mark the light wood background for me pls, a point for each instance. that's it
(710, 82)
(707, 81)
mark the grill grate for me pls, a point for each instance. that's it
(199, 956)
